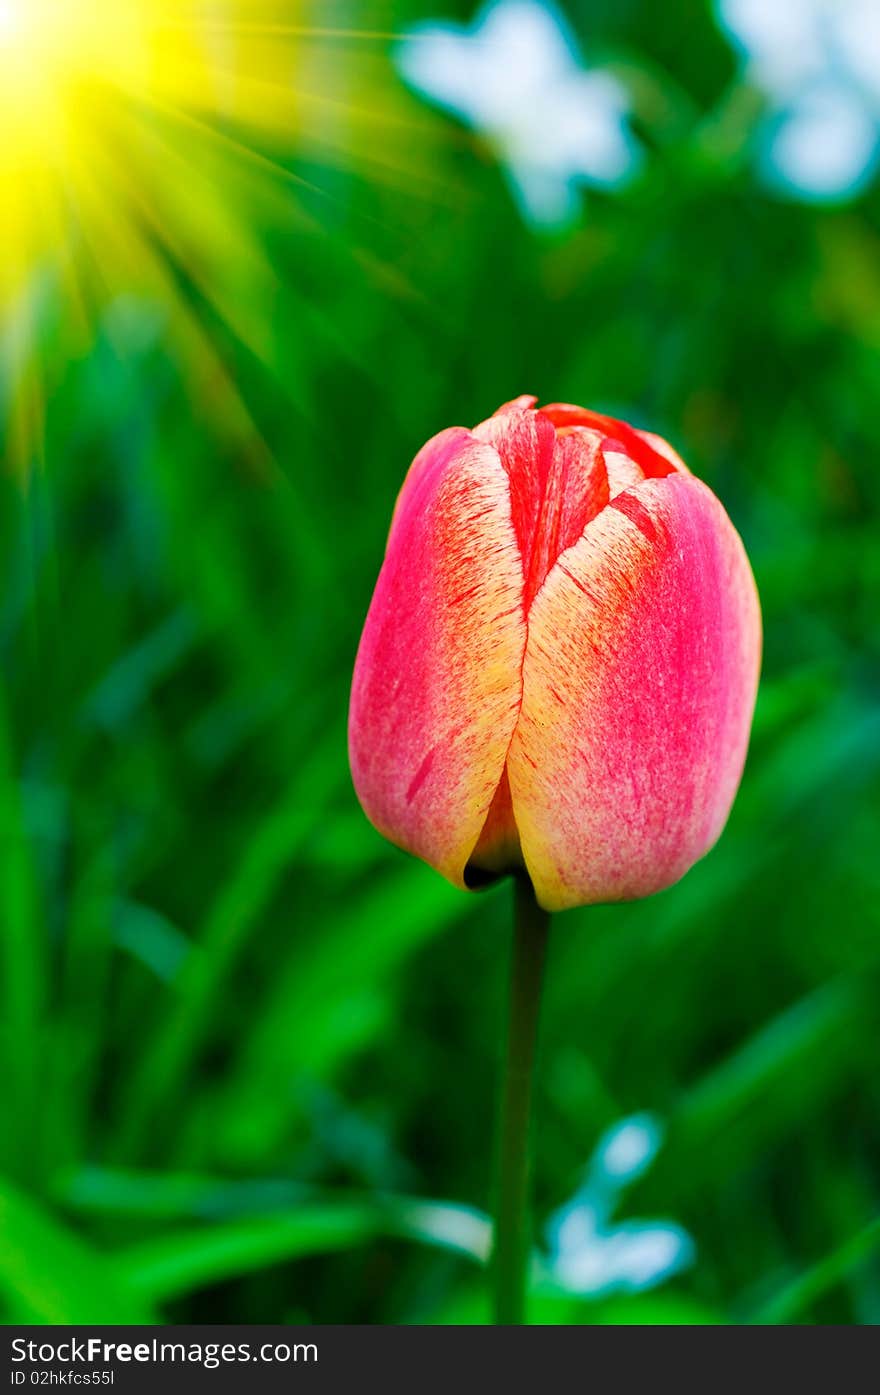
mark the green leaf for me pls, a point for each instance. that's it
(335, 987)
(799, 1296)
(194, 1259)
(49, 1275)
(23, 973)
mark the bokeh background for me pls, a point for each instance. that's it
(250, 1051)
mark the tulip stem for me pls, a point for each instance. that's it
(512, 1242)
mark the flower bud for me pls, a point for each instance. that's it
(559, 665)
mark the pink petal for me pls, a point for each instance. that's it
(518, 404)
(652, 455)
(558, 483)
(639, 684)
(437, 681)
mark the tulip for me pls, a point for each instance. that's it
(559, 666)
(556, 679)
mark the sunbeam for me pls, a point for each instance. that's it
(144, 148)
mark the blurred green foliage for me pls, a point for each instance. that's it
(239, 1032)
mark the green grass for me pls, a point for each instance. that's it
(238, 1031)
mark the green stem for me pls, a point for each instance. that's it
(510, 1255)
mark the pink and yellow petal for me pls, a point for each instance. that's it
(654, 457)
(558, 482)
(437, 681)
(638, 687)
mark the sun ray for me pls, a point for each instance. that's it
(144, 146)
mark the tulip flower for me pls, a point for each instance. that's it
(558, 669)
(556, 680)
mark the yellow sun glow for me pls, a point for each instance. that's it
(143, 147)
